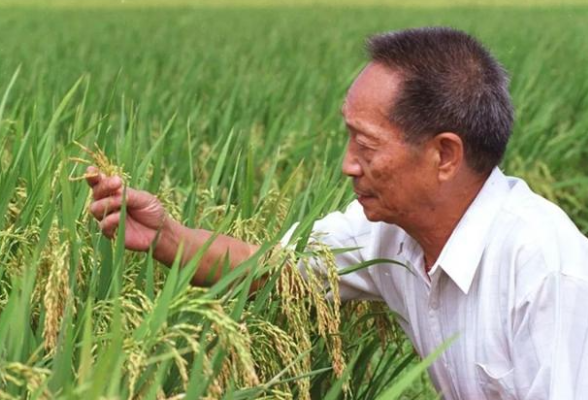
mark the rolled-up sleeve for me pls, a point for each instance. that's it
(347, 230)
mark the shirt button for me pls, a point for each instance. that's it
(434, 304)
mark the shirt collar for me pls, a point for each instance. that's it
(463, 251)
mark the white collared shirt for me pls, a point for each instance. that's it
(512, 282)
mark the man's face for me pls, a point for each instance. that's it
(394, 180)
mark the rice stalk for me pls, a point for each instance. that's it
(269, 338)
(22, 375)
(321, 269)
(57, 294)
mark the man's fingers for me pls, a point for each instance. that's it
(136, 199)
(101, 208)
(107, 186)
(93, 176)
(109, 224)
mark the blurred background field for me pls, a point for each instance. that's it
(289, 3)
(230, 112)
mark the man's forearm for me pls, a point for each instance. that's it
(173, 234)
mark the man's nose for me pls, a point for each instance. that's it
(351, 166)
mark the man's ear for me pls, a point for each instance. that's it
(450, 154)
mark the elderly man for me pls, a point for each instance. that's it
(429, 119)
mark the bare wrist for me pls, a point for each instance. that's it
(166, 242)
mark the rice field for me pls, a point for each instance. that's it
(229, 112)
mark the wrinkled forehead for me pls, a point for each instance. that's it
(369, 103)
(374, 90)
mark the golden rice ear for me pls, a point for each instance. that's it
(272, 339)
(101, 161)
(34, 378)
(299, 295)
(56, 287)
(328, 311)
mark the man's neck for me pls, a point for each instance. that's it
(434, 229)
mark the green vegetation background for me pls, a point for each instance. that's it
(230, 111)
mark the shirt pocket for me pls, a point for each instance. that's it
(496, 381)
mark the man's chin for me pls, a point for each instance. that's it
(370, 213)
(372, 218)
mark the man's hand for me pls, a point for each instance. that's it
(146, 217)
(145, 214)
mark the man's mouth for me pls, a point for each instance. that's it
(362, 195)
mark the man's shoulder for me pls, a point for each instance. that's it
(531, 241)
(536, 217)
(538, 231)
(529, 206)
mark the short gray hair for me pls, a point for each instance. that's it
(450, 83)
